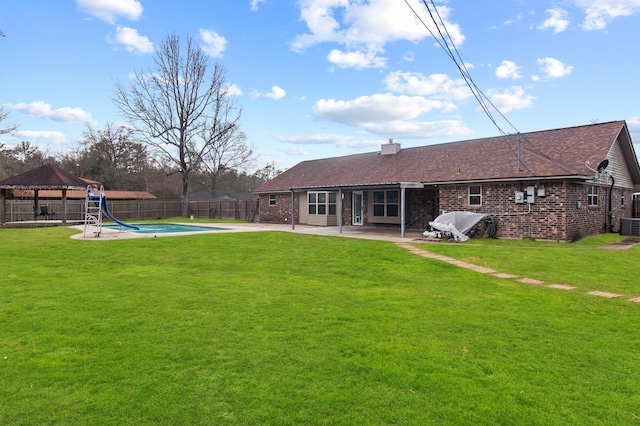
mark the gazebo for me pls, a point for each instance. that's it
(47, 176)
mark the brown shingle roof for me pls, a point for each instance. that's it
(550, 153)
(47, 176)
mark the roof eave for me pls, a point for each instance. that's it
(43, 187)
(510, 179)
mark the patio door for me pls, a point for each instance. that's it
(356, 211)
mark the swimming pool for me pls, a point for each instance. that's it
(165, 228)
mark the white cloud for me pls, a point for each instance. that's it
(510, 99)
(409, 56)
(44, 110)
(438, 86)
(420, 129)
(342, 141)
(553, 68)
(633, 124)
(388, 114)
(508, 69)
(110, 10)
(57, 138)
(296, 151)
(365, 26)
(255, 4)
(276, 93)
(600, 13)
(376, 108)
(515, 20)
(357, 59)
(214, 43)
(131, 41)
(233, 90)
(557, 21)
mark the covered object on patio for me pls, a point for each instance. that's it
(47, 176)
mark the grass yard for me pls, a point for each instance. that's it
(278, 328)
(583, 264)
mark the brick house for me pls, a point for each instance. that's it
(541, 185)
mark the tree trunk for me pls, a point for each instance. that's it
(185, 194)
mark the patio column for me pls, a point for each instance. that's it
(64, 206)
(3, 201)
(293, 209)
(402, 211)
(35, 205)
(340, 209)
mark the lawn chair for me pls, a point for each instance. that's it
(44, 211)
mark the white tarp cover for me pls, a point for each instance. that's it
(457, 223)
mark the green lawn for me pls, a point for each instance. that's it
(287, 329)
(583, 264)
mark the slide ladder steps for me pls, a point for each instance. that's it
(95, 206)
(93, 211)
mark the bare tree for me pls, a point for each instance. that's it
(179, 110)
(3, 116)
(229, 153)
(116, 156)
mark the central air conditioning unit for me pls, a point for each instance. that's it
(630, 226)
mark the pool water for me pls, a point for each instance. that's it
(164, 228)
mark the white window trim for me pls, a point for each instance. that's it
(327, 203)
(592, 196)
(385, 204)
(479, 196)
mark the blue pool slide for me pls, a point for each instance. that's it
(105, 209)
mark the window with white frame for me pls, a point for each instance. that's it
(475, 195)
(592, 195)
(321, 203)
(272, 200)
(386, 203)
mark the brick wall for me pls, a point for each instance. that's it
(278, 213)
(422, 204)
(555, 216)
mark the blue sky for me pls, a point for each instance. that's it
(324, 78)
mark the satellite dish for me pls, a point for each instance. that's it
(603, 165)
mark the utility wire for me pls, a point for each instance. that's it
(447, 43)
(479, 94)
(461, 68)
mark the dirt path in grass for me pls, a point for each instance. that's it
(621, 245)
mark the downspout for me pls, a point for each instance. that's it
(610, 211)
(293, 210)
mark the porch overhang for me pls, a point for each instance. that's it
(359, 186)
(403, 186)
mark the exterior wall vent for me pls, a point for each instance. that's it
(390, 148)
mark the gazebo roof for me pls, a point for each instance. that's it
(47, 176)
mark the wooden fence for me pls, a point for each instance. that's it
(22, 210)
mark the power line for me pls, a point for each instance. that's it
(447, 43)
(461, 67)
